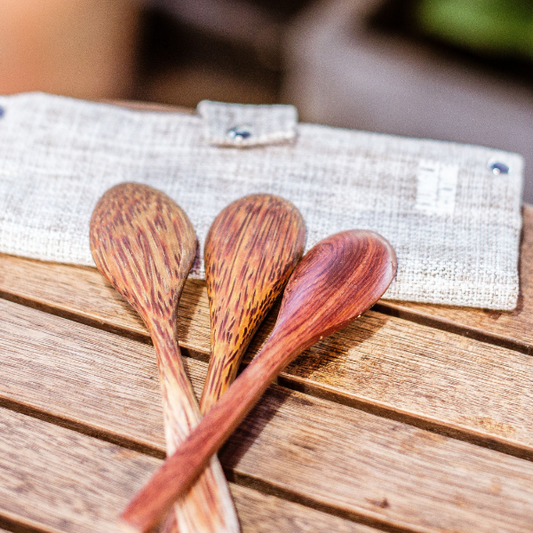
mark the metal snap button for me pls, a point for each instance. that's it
(497, 167)
(240, 132)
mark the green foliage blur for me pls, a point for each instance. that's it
(499, 28)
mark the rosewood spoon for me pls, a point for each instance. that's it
(251, 250)
(145, 245)
(336, 281)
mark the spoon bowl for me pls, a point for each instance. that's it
(251, 249)
(336, 281)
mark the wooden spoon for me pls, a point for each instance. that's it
(340, 278)
(145, 245)
(251, 250)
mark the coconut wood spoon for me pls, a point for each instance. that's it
(145, 245)
(251, 250)
(337, 280)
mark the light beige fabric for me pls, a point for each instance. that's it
(454, 223)
(244, 126)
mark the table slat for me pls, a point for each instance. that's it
(56, 480)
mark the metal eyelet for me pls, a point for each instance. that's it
(497, 167)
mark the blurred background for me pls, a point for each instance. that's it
(441, 69)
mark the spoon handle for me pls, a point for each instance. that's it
(207, 506)
(145, 510)
(338, 279)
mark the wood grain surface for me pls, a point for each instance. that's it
(145, 245)
(57, 480)
(319, 453)
(251, 250)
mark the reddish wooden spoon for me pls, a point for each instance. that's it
(340, 278)
(145, 245)
(251, 250)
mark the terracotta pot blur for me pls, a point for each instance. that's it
(81, 48)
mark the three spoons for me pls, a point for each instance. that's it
(336, 281)
(145, 245)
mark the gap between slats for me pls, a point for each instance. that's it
(442, 324)
(14, 525)
(384, 307)
(272, 490)
(17, 524)
(426, 424)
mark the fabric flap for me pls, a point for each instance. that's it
(245, 126)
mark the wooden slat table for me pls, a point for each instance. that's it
(416, 418)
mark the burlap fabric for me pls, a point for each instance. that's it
(451, 211)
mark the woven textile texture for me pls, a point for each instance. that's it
(451, 211)
(247, 125)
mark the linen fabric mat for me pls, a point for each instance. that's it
(451, 211)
